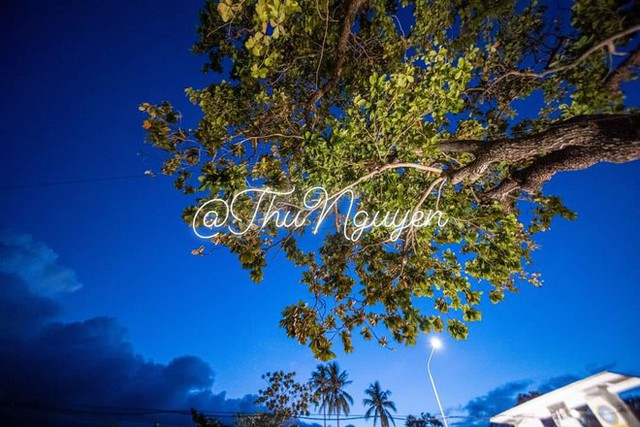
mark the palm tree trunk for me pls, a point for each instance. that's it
(324, 416)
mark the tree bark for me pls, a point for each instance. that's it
(571, 144)
(625, 71)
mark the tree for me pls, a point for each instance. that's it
(424, 420)
(379, 405)
(201, 420)
(338, 400)
(258, 420)
(320, 383)
(465, 108)
(525, 397)
(285, 397)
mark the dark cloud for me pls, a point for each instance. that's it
(479, 410)
(53, 372)
(21, 312)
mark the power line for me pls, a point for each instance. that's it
(73, 181)
(132, 411)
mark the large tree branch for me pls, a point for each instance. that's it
(584, 131)
(569, 145)
(623, 72)
(531, 178)
(341, 51)
(461, 145)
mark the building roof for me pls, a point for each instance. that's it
(572, 395)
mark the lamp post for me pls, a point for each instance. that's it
(436, 344)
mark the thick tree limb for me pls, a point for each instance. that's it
(461, 145)
(531, 178)
(569, 145)
(623, 72)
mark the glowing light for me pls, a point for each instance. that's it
(436, 343)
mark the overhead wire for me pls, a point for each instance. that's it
(132, 411)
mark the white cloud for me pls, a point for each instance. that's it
(36, 264)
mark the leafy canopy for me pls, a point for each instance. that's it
(329, 92)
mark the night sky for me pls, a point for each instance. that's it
(102, 303)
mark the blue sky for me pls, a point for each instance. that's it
(72, 76)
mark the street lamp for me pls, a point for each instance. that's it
(436, 344)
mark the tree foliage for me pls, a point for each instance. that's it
(285, 397)
(424, 420)
(201, 420)
(320, 385)
(338, 400)
(525, 397)
(466, 106)
(260, 419)
(378, 405)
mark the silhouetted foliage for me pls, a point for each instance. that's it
(424, 420)
(320, 383)
(339, 401)
(259, 420)
(525, 397)
(201, 420)
(285, 397)
(379, 405)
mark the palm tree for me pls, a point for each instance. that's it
(338, 400)
(379, 405)
(319, 382)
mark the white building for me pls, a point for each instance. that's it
(567, 406)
